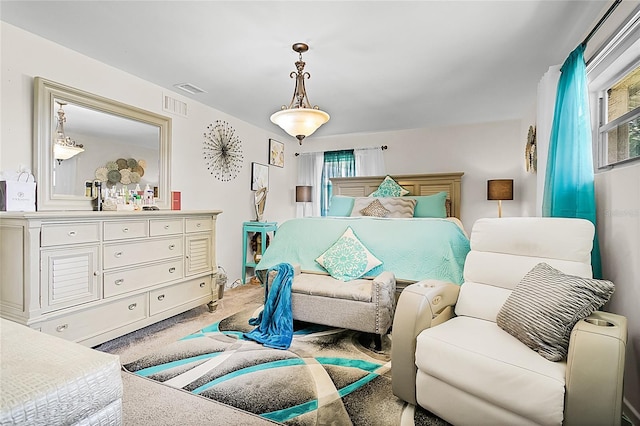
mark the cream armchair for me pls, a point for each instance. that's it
(462, 366)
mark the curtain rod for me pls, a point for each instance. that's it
(601, 21)
(383, 147)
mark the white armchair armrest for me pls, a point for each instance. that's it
(595, 368)
(421, 305)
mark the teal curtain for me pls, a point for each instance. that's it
(569, 182)
(336, 164)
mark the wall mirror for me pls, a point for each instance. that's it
(112, 136)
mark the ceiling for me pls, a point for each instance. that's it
(375, 65)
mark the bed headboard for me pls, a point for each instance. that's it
(425, 184)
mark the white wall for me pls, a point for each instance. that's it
(25, 56)
(618, 200)
(482, 151)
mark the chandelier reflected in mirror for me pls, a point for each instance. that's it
(300, 119)
(63, 147)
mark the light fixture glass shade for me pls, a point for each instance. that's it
(300, 121)
(64, 152)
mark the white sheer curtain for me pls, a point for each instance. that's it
(369, 162)
(547, 91)
(310, 173)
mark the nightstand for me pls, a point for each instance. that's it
(249, 228)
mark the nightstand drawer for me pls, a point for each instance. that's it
(159, 227)
(125, 254)
(84, 324)
(125, 230)
(123, 281)
(176, 295)
(199, 224)
(69, 233)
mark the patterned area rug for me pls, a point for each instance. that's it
(327, 376)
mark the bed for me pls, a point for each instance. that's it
(412, 248)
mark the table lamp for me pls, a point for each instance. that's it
(303, 195)
(500, 189)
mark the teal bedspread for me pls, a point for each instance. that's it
(413, 249)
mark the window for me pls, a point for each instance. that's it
(336, 164)
(619, 130)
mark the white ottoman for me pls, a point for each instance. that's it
(45, 380)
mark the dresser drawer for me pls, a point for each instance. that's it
(123, 230)
(123, 281)
(199, 224)
(175, 295)
(159, 227)
(133, 253)
(100, 319)
(69, 233)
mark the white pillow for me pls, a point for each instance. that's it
(397, 206)
(348, 259)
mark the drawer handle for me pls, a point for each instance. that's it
(172, 270)
(119, 281)
(118, 254)
(172, 246)
(62, 328)
(161, 297)
(166, 227)
(132, 306)
(202, 285)
(125, 229)
(96, 273)
(198, 225)
(72, 233)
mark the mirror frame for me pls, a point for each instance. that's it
(45, 93)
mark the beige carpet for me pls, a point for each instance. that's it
(146, 402)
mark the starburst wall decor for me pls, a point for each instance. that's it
(222, 151)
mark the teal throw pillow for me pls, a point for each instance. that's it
(340, 206)
(430, 205)
(348, 259)
(389, 188)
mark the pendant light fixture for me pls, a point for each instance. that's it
(63, 147)
(300, 119)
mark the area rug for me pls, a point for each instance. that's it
(327, 376)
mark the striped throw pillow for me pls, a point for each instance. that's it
(546, 304)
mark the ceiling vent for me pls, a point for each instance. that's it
(189, 88)
(174, 106)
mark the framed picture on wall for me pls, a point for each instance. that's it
(259, 176)
(276, 153)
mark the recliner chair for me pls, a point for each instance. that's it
(463, 367)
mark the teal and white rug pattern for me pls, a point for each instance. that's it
(327, 376)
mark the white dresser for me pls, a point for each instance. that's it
(92, 276)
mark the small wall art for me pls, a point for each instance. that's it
(259, 176)
(276, 153)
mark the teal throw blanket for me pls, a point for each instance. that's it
(413, 249)
(275, 322)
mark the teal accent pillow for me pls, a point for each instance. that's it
(348, 259)
(430, 205)
(389, 188)
(340, 206)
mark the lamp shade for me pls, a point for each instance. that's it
(303, 194)
(500, 189)
(300, 121)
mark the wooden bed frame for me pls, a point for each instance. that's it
(424, 184)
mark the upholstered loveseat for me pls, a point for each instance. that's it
(365, 305)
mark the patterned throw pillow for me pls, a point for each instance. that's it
(389, 188)
(546, 304)
(348, 259)
(397, 206)
(375, 209)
